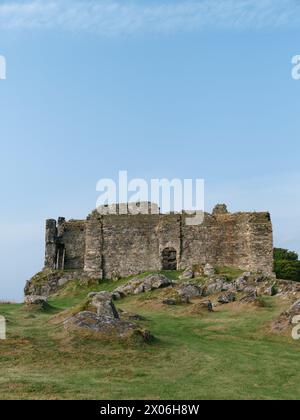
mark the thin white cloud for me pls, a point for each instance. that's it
(117, 17)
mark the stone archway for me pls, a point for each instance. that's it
(169, 259)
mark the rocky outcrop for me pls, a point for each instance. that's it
(287, 287)
(36, 301)
(209, 270)
(269, 290)
(295, 309)
(250, 298)
(104, 305)
(195, 271)
(106, 325)
(214, 286)
(105, 319)
(187, 274)
(142, 285)
(248, 288)
(48, 282)
(189, 290)
(285, 320)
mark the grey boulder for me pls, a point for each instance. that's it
(137, 285)
(213, 287)
(106, 325)
(242, 282)
(187, 274)
(36, 300)
(285, 320)
(209, 270)
(190, 290)
(104, 305)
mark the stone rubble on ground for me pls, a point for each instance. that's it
(287, 287)
(189, 290)
(227, 298)
(198, 282)
(214, 286)
(199, 272)
(247, 287)
(250, 297)
(187, 274)
(271, 290)
(241, 282)
(209, 270)
(285, 320)
(142, 285)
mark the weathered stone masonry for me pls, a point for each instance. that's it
(108, 246)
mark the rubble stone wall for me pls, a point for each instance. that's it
(108, 246)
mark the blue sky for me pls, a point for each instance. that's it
(188, 89)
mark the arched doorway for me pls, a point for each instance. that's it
(169, 259)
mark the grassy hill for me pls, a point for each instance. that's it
(228, 354)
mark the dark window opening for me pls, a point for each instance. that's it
(60, 259)
(169, 259)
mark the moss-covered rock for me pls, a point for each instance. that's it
(48, 282)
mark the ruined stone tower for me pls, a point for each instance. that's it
(105, 245)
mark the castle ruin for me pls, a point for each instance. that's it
(119, 245)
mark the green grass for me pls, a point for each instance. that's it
(229, 272)
(228, 354)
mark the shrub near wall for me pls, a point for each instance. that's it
(286, 264)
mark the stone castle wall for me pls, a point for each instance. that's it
(108, 246)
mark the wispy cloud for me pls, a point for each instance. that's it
(117, 17)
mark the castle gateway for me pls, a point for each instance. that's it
(108, 246)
